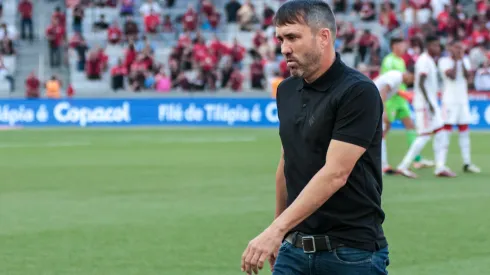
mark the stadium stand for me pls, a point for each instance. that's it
(156, 46)
(8, 46)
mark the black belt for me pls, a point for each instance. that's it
(312, 243)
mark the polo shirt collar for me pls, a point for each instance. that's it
(326, 79)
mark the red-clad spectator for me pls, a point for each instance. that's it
(93, 66)
(259, 38)
(140, 64)
(209, 62)
(118, 72)
(419, 4)
(200, 51)
(257, 74)
(414, 31)
(481, 6)
(480, 34)
(184, 40)
(443, 20)
(207, 7)
(152, 21)
(32, 86)
(137, 73)
(147, 58)
(75, 40)
(70, 92)
(214, 19)
(217, 48)
(60, 16)
(387, 18)
(268, 15)
(468, 25)
(367, 43)
(114, 33)
(236, 80)
(55, 35)
(103, 58)
(189, 20)
(25, 10)
(111, 3)
(167, 24)
(237, 52)
(130, 56)
(283, 68)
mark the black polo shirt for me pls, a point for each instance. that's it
(344, 105)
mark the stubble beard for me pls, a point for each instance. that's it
(310, 64)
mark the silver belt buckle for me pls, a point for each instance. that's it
(310, 242)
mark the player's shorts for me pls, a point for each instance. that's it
(397, 108)
(426, 122)
(456, 114)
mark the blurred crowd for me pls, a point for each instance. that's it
(198, 64)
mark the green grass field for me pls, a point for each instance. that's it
(149, 201)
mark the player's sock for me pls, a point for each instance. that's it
(464, 143)
(384, 154)
(411, 136)
(441, 144)
(415, 149)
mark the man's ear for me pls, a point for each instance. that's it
(326, 36)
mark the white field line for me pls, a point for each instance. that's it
(9, 145)
(172, 140)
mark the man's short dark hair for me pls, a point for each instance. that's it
(395, 40)
(315, 13)
(454, 41)
(431, 38)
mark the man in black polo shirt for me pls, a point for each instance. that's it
(328, 184)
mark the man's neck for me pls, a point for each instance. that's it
(433, 56)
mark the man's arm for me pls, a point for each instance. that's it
(357, 121)
(384, 93)
(281, 191)
(423, 78)
(340, 160)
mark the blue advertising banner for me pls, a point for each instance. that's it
(214, 112)
(228, 112)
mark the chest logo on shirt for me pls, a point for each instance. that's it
(311, 120)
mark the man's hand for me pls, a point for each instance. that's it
(272, 261)
(263, 247)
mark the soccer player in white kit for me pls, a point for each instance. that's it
(428, 116)
(455, 71)
(388, 85)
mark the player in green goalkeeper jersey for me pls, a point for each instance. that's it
(397, 107)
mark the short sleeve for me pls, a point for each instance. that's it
(395, 81)
(421, 66)
(444, 65)
(358, 115)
